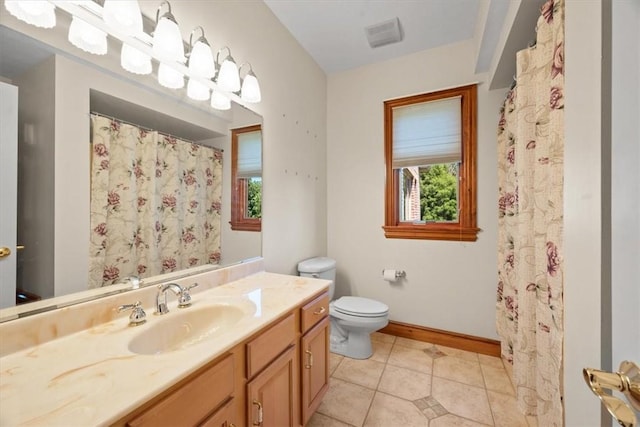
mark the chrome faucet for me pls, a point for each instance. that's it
(184, 298)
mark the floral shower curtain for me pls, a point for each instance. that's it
(155, 203)
(530, 224)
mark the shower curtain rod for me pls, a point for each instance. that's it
(152, 130)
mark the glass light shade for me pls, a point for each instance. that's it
(197, 90)
(39, 13)
(87, 37)
(250, 91)
(201, 60)
(168, 77)
(219, 101)
(134, 61)
(167, 41)
(123, 15)
(229, 78)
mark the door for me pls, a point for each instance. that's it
(272, 395)
(315, 368)
(8, 192)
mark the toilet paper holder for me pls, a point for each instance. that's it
(400, 274)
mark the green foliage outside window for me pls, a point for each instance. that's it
(438, 192)
(254, 190)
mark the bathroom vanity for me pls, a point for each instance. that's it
(266, 365)
(277, 377)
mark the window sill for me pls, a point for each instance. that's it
(453, 232)
(246, 225)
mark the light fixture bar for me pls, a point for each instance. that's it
(91, 12)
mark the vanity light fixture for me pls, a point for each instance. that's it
(39, 13)
(200, 60)
(197, 91)
(169, 77)
(94, 20)
(200, 64)
(219, 101)
(167, 41)
(123, 16)
(134, 61)
(250, 90)
(87, 37)
(228, 78)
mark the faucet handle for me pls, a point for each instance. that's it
(137, 316)
(184, 300)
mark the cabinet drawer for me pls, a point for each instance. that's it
(314, 311)
(189, 404)
(265, 348)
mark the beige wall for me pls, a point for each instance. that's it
(583, 209)
(449, 285)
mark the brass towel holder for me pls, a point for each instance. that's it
(627, 381)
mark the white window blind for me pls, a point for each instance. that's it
(249, 154)
(427, 133)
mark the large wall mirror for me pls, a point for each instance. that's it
(68, 107)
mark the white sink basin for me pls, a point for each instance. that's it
(182, 328)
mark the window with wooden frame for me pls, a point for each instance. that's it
(246, 178)
(430, 156)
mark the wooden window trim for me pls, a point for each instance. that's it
(239, 188)
(466, 228)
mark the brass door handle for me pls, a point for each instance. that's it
(259, 405)
(320, 311)
(627, 380)
(310, 364)
(4, 252)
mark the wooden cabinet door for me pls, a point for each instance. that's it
(223, 417)
(314, 354)
(272, 395)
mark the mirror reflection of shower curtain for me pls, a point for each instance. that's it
(530, 226)
(155, 203)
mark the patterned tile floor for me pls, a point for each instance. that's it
(413, 383)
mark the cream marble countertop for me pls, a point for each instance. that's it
(91, 378)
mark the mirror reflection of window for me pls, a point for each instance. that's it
(246, 178)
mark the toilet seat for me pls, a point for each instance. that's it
(360, 307)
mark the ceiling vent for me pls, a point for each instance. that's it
(384, 33)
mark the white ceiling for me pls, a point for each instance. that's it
(333, 31)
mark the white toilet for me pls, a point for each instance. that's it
(353, 319)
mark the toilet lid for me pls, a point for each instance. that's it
(358, 306)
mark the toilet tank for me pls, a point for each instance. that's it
(319, 268)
